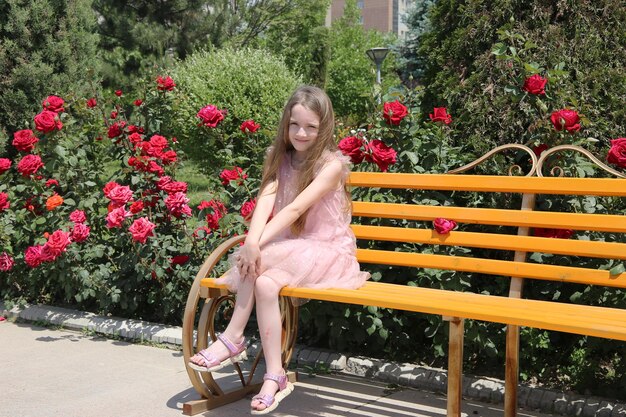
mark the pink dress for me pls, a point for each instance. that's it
(323, 256)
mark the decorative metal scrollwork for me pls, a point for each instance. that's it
(558, 171)
(494, 151)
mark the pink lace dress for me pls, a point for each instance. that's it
(323, 256)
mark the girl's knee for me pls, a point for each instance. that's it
(265, 287)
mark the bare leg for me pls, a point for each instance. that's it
(234, 331)
(270, 327)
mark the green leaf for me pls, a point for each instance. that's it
(69, 202)
(499, 49)
(618, 269)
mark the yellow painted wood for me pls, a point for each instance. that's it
(492, 183)
(494, 267)
(610, 250)
(455, 367)
(499, 217)
(604, 322)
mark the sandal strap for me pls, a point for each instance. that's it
(233, 348)
(281, 380)
(209, 358)
(266, 399)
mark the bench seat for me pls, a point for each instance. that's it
(609, 323)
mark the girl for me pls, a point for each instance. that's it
(307, 243)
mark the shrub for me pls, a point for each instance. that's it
(244, 84)
(44, 46)
(122, 240)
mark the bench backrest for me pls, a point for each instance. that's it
(522, 218)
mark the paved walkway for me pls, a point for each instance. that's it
(49, 373)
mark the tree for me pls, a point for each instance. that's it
(410, 64)
(46, 47)
(351, 75)
(302, 39)
(139, 34)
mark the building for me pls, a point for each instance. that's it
(382, 15)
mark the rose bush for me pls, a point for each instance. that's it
(110, 240)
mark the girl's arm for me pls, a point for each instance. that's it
(249, 258)
(327, 180)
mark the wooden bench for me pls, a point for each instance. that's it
(205, 297)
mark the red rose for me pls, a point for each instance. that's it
(538, 150)
(136, 207)
(116, 129)
(47, 121)
(210, 116)
(169, 157)
(617, 153)
(535, 85)
(217, 206)
(141, 229)
(247, 209)
(108, 187)
(179, 259)
(80, 232)
(53, 103)
(394, 112)
(165, 84)
(78, 216)
(116, 217)
(229, 175)
(249, 126)
(443, 226)
(118, 93)
(135, 129)
(138, 102)
(120, 195)
(57, 242)
(440, 114)
(4, 202)
(135, 138)
(32, 256)
(29, 165)
(213, 221)
(113, 114)
(567, 119)
(6, 262)
(52, 183)
(381, 154)
(91, 103)
(24, 140)
(553, 233)
(351, 146)
(158, 142)
(5, 164)
(155, 168)
(176, 203)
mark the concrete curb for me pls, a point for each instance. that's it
(410, 375)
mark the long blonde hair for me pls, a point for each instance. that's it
(313, 99)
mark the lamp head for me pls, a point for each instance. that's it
(377, 55)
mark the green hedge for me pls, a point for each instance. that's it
(247, 83)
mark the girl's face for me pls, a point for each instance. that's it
(303, 128)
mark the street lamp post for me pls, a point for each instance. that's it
(377, 55)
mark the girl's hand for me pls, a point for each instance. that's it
(249, 261)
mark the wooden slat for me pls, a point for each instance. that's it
(492, 183)
(603, 322)
(500, 217)
(610, 250)
(494, 267)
